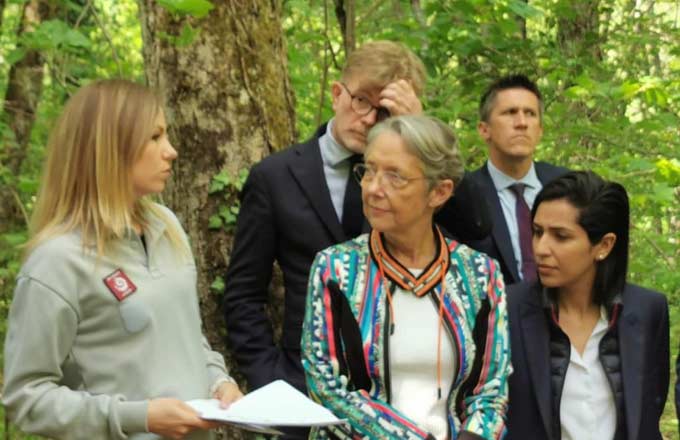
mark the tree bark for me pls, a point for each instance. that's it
(578, 32)
(522, 24)
(346, 15)
(24, 88)
(228, 103)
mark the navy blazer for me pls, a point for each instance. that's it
(498, 244)
(286, 217)
(643, 333)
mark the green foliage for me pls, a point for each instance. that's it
(186, 36)
(611, 93)
(227, 187)
(195, 8)
(217, 286)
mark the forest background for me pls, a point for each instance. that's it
(243, 78)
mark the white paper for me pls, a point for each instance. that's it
(275, 404)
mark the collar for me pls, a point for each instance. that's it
(502, 181)
(431, 275)
(609, 312)
(154, 226)
(332, 153)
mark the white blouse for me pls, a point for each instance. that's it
(587, 408)
(413, 361)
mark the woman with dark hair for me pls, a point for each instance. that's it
(589, 350)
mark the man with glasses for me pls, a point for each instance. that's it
(299, 201)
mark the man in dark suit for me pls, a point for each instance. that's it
(299, 201)
(511, 112)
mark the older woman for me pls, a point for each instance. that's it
(104, 337)
(590, 351)
(405, 332)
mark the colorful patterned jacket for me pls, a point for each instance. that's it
(345, 347)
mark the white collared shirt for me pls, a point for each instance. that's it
(587, 407)
(336, 167)
(502, 182)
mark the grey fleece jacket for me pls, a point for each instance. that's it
(81, 364)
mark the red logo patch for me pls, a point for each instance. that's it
(120, 285)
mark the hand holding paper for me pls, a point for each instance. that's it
(275, 404)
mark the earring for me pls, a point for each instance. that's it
(600, 257)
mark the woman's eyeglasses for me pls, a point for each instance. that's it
(391, 179)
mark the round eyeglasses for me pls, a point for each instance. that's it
(362, 106)
(390, 179)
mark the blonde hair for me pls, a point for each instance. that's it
(430, 140)
(381, 62)
(86, 182)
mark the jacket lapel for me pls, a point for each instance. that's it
(630, 345)
(308, 173)
(500, 232)
(536, 342)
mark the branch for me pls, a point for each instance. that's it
(418, 13)
(17, 199)
(375, 5)
(324, 75)
(666, 259)
(108, 39)
(82, 15)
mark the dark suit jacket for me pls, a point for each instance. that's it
(645, 363)
(498, 245)
(287, 217)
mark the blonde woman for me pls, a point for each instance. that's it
(104, 338)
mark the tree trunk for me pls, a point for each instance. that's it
(522, 24)
(24, 88)
(228, 103)
(345, 13)
(578, 32)
(2, 11)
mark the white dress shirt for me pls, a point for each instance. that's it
(502, 182)
(587, 407)
(336, 167)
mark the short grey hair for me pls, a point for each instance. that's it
(430, 140)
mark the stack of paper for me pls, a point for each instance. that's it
(275, 404)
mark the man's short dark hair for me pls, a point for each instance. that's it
(603, 207)
(507, 82)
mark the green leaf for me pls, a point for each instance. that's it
(28, 185)
(195, 8)
(215, 186)
(55, 34)
(230, 219)
(663, 193)
(629, 90)
(215, 222)
(523, 9)
(576, 92)
(15, 55)
(217, 285)
(14, 238)
(186, 36)
(223, 176)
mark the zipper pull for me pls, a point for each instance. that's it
(439, 393)
(391, 328)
